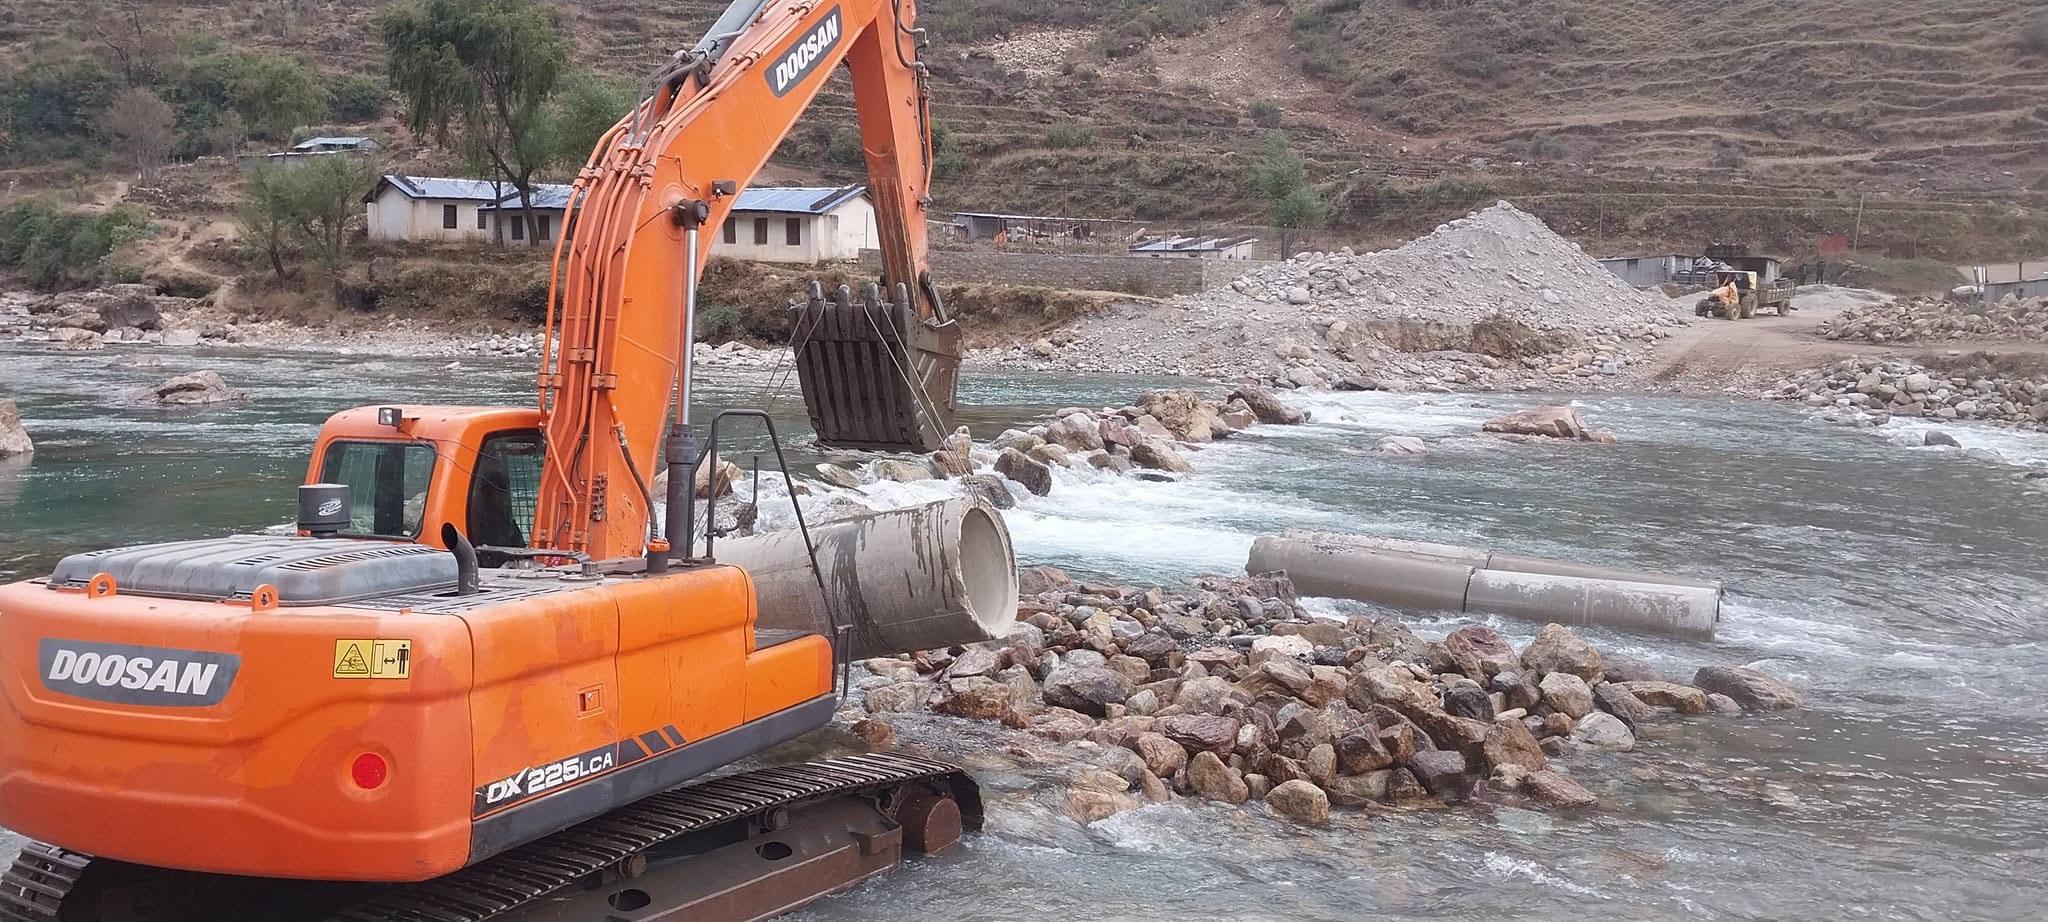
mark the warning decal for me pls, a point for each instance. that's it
(373, 659)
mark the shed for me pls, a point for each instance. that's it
(1647, 271)
(1195, 247)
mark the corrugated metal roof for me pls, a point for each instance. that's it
(797, 199)
(545, 195)
(1190, 244)
(311, 143)
(468, 190)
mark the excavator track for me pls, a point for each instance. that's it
(612, 846)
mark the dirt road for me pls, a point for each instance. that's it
(1745, 356)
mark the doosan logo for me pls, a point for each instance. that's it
(804, 56)
(130, 674)
(331, 507)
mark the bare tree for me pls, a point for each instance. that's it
(136, 42)
(142, 126)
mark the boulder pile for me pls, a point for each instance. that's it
(1929, 320)
(200, 388)
(1878, 391)
(1227, 691)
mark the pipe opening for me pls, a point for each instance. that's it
(988, 572)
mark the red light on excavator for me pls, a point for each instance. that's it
(369, 771)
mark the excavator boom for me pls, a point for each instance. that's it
(878, 374)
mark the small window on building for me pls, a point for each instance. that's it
(760, 232)
(541, 229)
(519, 227)
(483, 219)
(732, 231)
(448, 217)
(793, 232)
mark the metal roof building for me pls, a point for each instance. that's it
(796, 199)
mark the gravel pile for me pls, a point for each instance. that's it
(1878, 391)
(1940, 320)
(1405, 317)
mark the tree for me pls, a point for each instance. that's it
(478, 73)
(1294, 205)
(360, 99)
(142, 126)
(264, 219)
(276, 95)
(314, 208)
(586, 107)
(131, 40)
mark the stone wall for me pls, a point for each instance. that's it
(1097, 272)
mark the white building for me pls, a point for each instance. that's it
(1196, 248)
(805, 224)
(456, 210)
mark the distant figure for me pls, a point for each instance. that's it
(1802, 272)
(1820, 272)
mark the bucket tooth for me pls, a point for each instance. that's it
(874, 374)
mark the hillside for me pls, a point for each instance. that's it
(1631, 124)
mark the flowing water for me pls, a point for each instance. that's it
(1904, 590)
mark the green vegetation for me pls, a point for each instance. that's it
(586, 107)
(360, 99)
(1282, 180)
(59, 248)
(311, 210)
(1069, 136)
(1539, 146)
(1266, 114)
(478, 75)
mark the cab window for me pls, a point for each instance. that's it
(387, 484)
(505, 488)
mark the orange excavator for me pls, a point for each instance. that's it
(474, 684)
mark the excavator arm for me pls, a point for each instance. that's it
(878, 374)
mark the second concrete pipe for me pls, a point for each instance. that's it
(1420, 576)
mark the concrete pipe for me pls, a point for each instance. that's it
(1453, 553)
(1516, 563)
(913, 579)
(1342, 571)
(1681, 611)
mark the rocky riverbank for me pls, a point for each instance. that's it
(1940, 320)
(1874, 392)
(1228, 691)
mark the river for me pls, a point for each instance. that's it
(1903, 589)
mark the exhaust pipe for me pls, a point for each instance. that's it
(913, 579)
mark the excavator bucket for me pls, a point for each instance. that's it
(875, 375)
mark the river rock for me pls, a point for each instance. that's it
(899, 698)
(1753, 690)
(1086, 806)
(1087, 689)
(1209, 777)
(946, 463)
(1548, 422)
(1619, 668)
(901, 471)
(1207, 696)
(1684, 699)
(1076, 432)
(1604, 732)
(1403, 446)
(978, 697)
(1290, 646)
(1019, 467)
(1363, 749)
(1268, 408)
(1159, 455)
(1557, 649)
(839, 476)
(1162, 756)
(1301, 802)
(200, 388)
(1471, 701)
(1181, 411)
(1554, 789)
(1510, 743)
(14, 438)
(1200, 733)
(1626, 707)
(181, 338)
(1036, 580)
(1484, 644)
(974, 661)
(1441, 772)
(874, 733)
(1359, 790)
(1936, 437)
(1568, 693)
(989, 489)
(1050, 455)
(76, 339)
